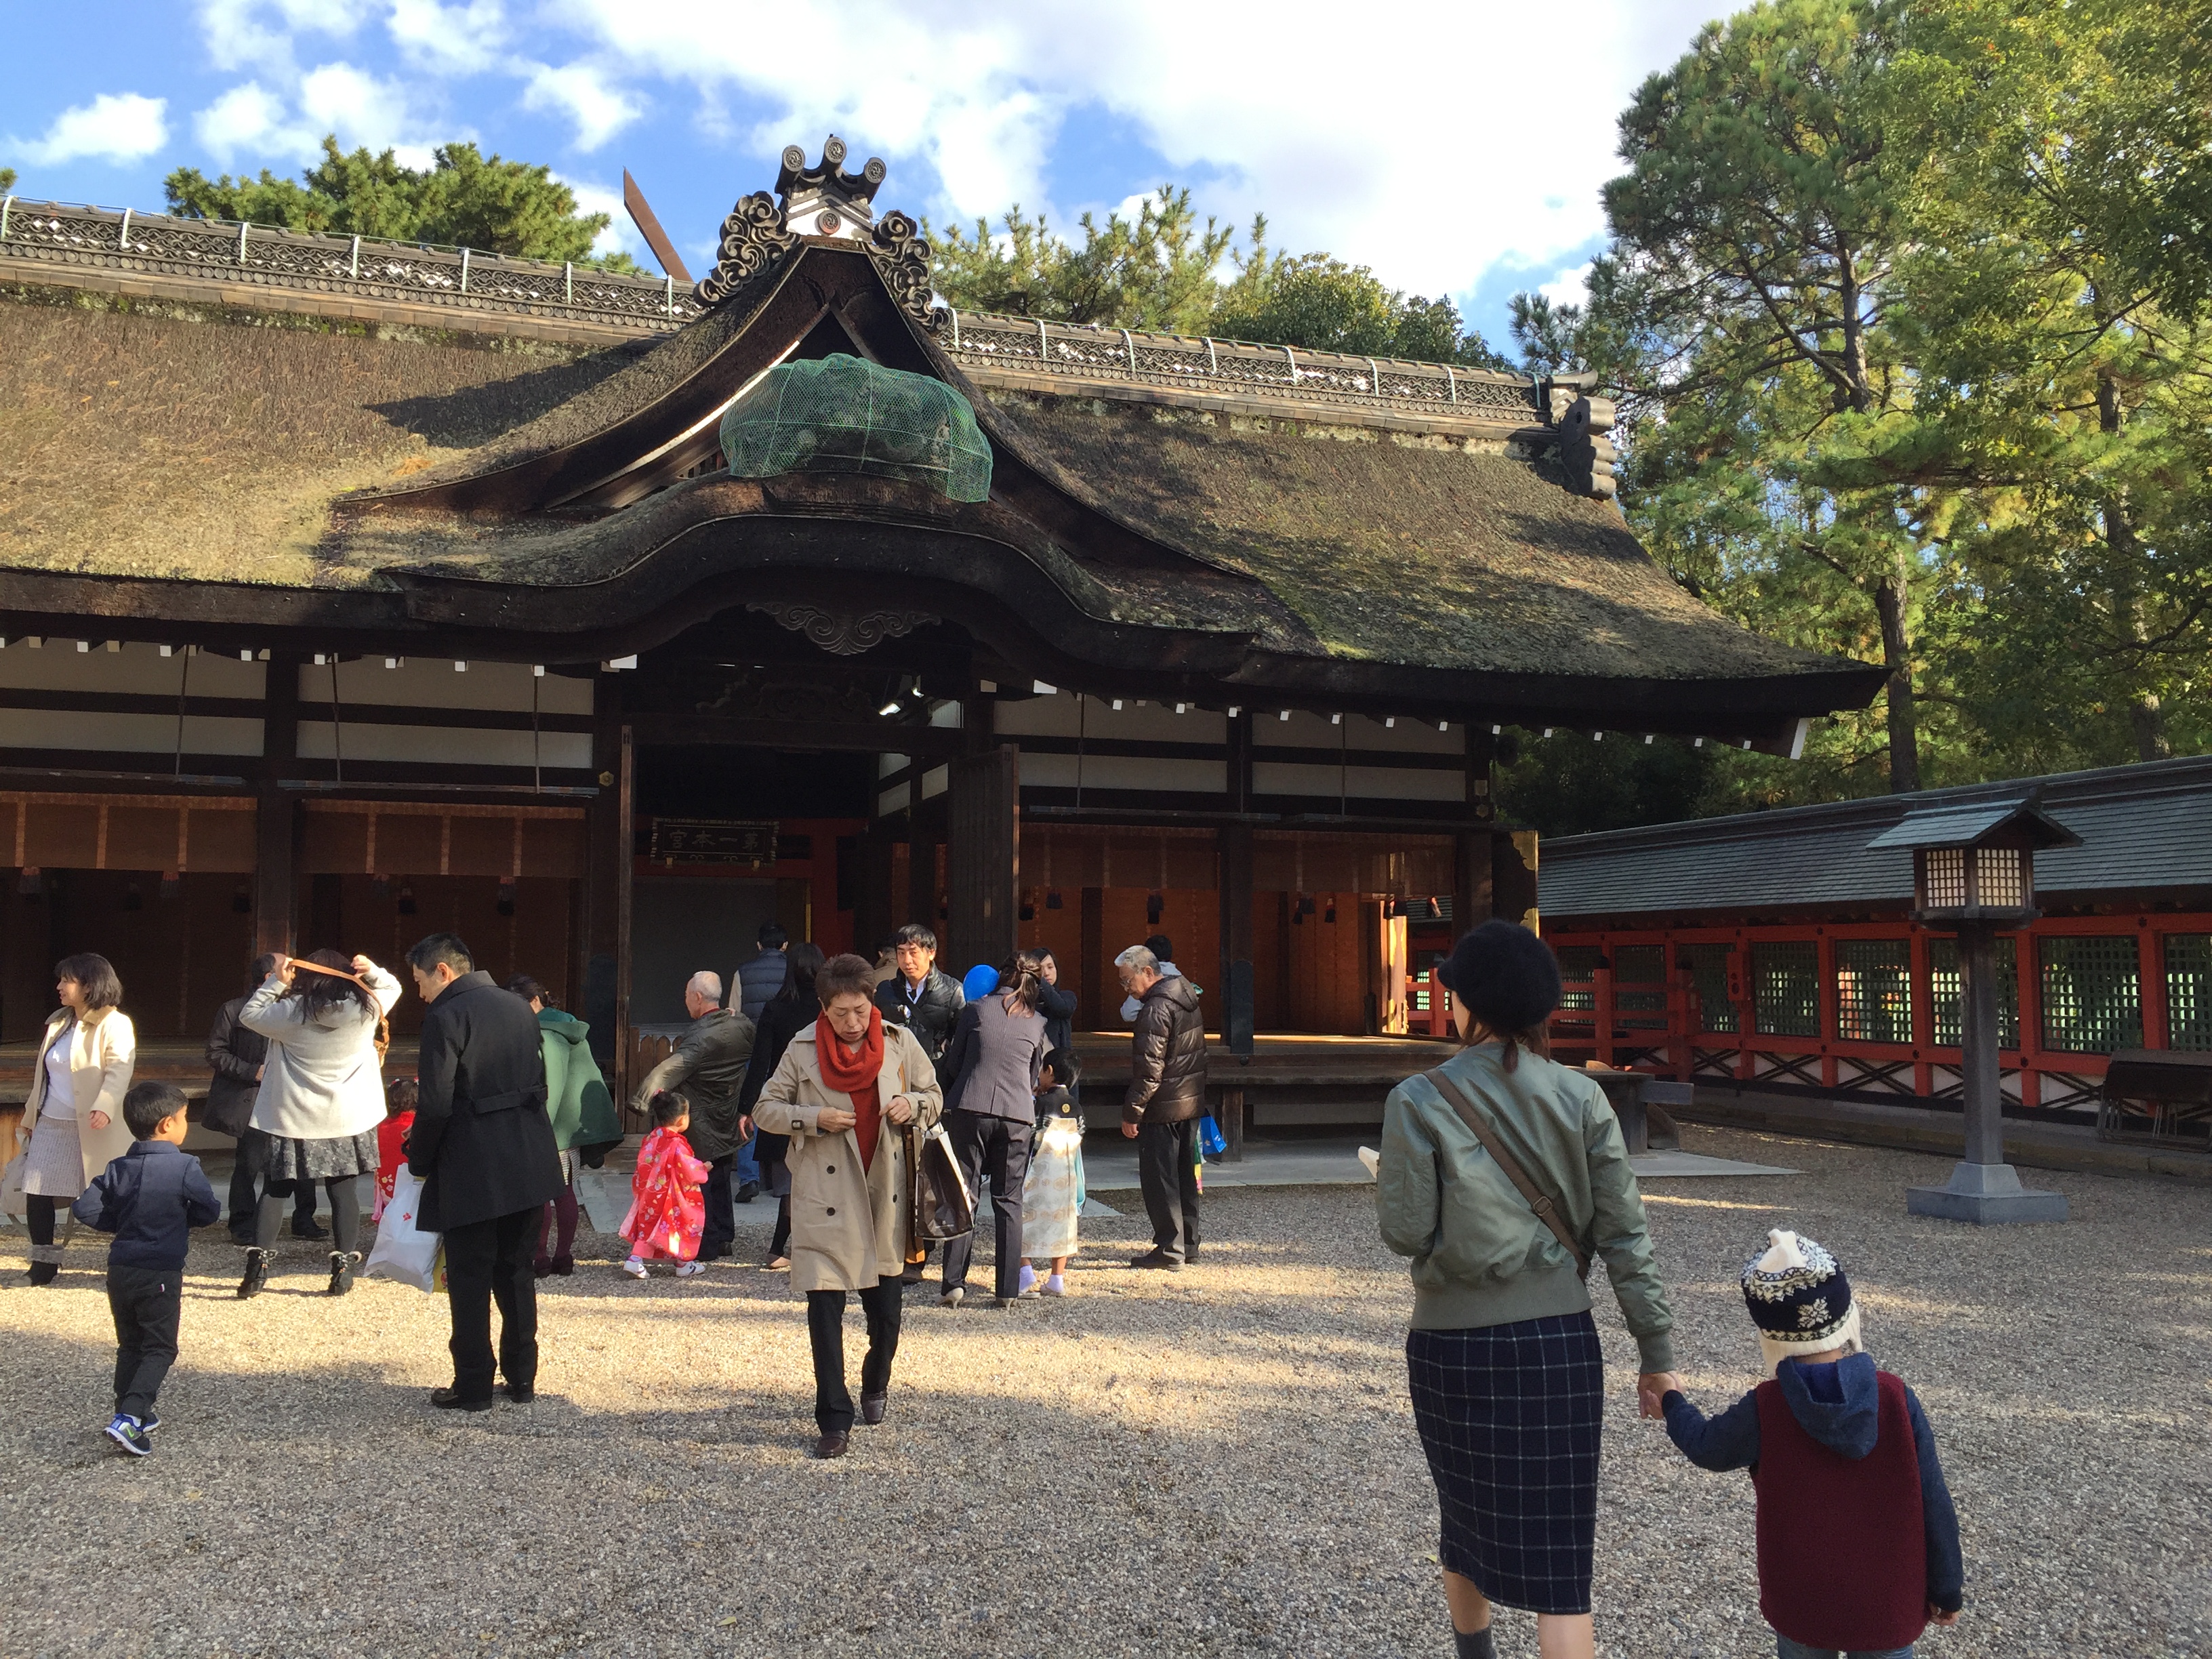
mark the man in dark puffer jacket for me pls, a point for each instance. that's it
(1167, 1096)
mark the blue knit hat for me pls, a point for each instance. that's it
(1799, 1299)
(983, 979)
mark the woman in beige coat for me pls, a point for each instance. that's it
(840, 1089)
(75, 1113)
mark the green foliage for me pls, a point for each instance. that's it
(1573, 784)
(7, 180)
(1154, 271)
(1161, 271)
(464, 199)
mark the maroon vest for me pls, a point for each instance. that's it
(1843, 1557)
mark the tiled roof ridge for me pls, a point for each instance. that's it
(457, 278)
(2139, 780)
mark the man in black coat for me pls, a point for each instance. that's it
(236, 1056)
(927, 1003)
(483, 1148)
(1166, 1097)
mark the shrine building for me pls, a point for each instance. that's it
(351, 591)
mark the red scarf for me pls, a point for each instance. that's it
(858, 1075)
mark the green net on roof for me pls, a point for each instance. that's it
(839, 414)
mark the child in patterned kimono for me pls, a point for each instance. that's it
(666, 1212)
(392, 1139)
(1052, 1194)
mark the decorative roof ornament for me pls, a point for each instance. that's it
(823, 202)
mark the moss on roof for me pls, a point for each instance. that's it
(1396, 547)
(208, 443)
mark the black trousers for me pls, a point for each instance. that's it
(489, 1261)
(999, 1148)
(881, 1304)
(245, 1173)
(1167, 1168)
(721, 1223)
(147, 1303)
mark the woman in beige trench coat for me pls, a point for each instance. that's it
(75, 1112)
(848, 1180)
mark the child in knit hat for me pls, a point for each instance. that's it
(1858, 1544)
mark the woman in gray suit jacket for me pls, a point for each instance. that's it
(997, 1051)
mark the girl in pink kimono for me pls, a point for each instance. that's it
(666, 1213)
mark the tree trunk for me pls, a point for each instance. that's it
(2146, 716)
(1889, 601)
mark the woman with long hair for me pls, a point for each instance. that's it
(75, 1112)
(1502, 1174)
(788, 1013)
(844, 1084)
(997, 1053)
(322, 1097)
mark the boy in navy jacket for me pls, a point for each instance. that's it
(1858, 1544)
(150, 1199)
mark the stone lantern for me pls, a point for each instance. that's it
(1974, 873)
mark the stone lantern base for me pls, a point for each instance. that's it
(1988, 1194)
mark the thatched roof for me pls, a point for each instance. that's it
(207, 444)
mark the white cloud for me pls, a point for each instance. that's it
(451, 40)
(118, 127)
(258, 33)
(580, 92)
(362, 110)
(251, 120)
(1571, 287)
(621, 236)
(1432, 169)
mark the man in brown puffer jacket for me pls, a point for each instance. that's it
(1167, 1096)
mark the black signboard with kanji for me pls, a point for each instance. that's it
(712, 841)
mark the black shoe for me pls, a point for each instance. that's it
(308, 1227)
(342, 1263)
(832, 1445)
(712, 1253)
(912, 1275)
(873, 1408)
(1157, 1260)
(521, 1392)
(749, 1191)
(257, 1274)
(130, 1436)
(45, 1272)
(242, 1236)
(449, 1399)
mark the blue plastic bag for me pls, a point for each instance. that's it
(1211, 1141)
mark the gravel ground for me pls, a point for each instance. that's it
(1218, 1462)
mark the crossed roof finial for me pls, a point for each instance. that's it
(826, 187)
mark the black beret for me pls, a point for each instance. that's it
(1505, 976)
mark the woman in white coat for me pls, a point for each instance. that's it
(842, 1087)
(75, 1113)
(321, 1099)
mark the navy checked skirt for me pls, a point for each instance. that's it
(1510, 1417)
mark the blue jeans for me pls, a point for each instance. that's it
(748, 1162)
(1786, 1649)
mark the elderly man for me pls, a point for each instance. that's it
(707, 1068)
(1167, 1093)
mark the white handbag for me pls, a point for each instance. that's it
(403, 1250)
(11, 1188)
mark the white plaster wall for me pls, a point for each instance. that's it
(139, 669)
(148, 734)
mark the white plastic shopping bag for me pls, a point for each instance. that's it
(404, 1251)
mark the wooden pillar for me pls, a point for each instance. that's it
(922, 856)
(277, 814)
(625, 814)
(872, 917)
(1235, 881)
(1099, 989)
(606, 864)
(983, 855)
(1474, 859)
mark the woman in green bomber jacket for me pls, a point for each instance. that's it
(583, 1114)
(1503, 1359)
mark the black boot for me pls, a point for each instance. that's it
(257, 1274)
(342, 1263)
(45, 1272)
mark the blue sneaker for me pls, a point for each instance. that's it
(148, 1423)
(125, 1432)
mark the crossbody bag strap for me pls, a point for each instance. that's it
(1538, 1199)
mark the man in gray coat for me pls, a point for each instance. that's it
(707, 1068)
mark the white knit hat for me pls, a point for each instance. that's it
(1799, 1300)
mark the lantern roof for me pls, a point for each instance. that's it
(2018, 824)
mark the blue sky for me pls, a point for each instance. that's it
(1455, 148)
